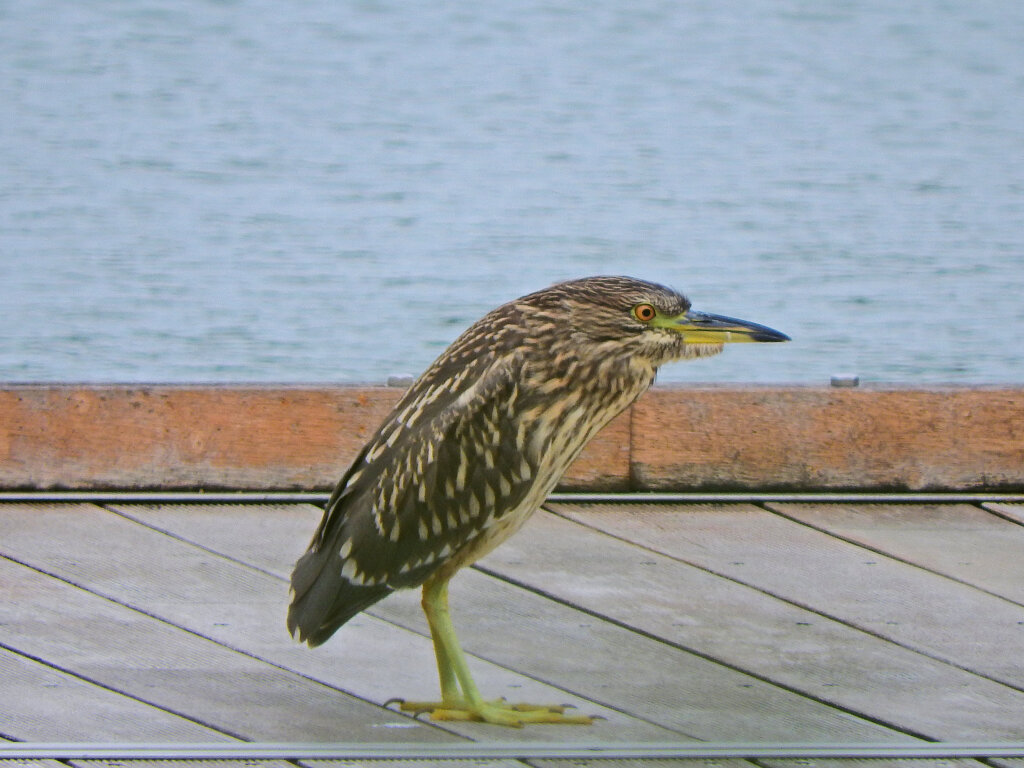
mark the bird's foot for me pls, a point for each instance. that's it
(498, 712)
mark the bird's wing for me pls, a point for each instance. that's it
(444, 467)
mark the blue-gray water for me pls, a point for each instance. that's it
(330, 191)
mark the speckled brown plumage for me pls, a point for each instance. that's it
(479, 440)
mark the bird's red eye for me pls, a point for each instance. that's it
(644, 313)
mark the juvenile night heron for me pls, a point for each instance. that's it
(476, 444)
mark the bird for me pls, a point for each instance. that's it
(473, 448)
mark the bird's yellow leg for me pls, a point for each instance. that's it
(460, 698)
(450, 689)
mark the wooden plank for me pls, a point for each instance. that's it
(167, 436)
(518, 629)
(750, 630)
(787, 560)
(41, 703)
(1011, 512)
(807, 438)
(674, 438)
(188, 588)
(177, 671)
(270, 537)
(627, 671)
(917, 609)
(243, 608)
(216, 436)
(961, 541)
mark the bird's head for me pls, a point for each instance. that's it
(609, 315)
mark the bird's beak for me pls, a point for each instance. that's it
(702, 328)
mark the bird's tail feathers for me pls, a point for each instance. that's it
(323, 600)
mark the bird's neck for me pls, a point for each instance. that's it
(566, 405)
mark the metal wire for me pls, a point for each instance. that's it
(315, 497)
(167, 497)
(760, 497)
(500, 750)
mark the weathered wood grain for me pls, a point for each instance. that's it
(1011, 512)
(243, 608)
(155, 436)
(810, 438)
(553, 642)
(176, 671)
(961, 541)
(917, 609)
(41, 703)
(754, 631)
(269, 537)
(676, 651)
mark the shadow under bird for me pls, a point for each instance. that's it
(475, 446)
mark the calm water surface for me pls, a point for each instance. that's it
(249, 191)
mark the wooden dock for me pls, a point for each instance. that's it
(771, 622)
(823, 619)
